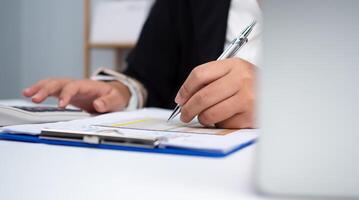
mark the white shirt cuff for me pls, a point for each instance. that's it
(137, 90)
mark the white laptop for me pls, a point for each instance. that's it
(309, 99)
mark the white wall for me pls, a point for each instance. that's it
(9, 48)
(51, 39)
(39, 39)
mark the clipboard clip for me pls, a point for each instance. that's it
(105, 136)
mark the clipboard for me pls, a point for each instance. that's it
(122, 147)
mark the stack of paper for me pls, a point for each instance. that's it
(151, 122)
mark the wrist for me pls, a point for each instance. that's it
(122, 89)
(138, 93)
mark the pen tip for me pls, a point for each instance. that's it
(253, 23)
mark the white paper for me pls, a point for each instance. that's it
(151, 122)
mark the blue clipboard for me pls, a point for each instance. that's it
(168, 150)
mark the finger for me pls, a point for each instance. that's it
(67, 93)
(208, 96)
(93, 88)
(199, 77)
(222, 111)
(51, 88)
(113, 101)
(30, 91)
(40, 96)
(239, 121)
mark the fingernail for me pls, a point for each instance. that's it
(178, 99)
(36, 97)
(26, 90)
(99, 105)
(61, 103)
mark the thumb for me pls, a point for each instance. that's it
(110, 102)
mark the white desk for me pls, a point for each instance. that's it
(39, 171)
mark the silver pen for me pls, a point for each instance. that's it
(230, 51)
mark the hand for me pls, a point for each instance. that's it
(90, 95)
(221, 93)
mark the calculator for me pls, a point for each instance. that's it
(13, 115)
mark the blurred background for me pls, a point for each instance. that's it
(67, 38)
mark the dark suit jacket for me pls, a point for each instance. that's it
(177, 36)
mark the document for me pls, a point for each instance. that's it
(150, 122)
(158, 124)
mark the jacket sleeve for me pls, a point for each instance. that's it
(154, 60)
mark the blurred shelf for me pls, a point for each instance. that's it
(120, 48)
(111, 45)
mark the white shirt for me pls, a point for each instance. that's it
(241, 14)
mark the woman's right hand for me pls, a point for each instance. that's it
(90, 95)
